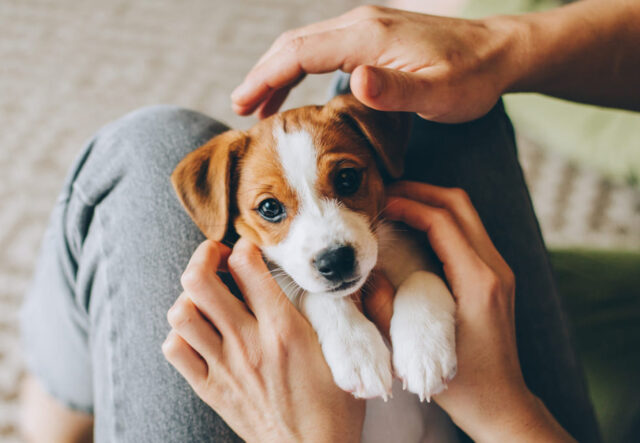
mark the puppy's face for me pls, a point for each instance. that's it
(304, 185)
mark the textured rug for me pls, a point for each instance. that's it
(67, 67)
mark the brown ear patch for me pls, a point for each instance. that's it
(202, 181)
(386, 132)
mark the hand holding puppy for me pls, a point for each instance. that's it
(454, 70)
(272, 383)
(444, 69)
(488, 397)
(260, 365)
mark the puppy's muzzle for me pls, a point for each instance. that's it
(337, 264)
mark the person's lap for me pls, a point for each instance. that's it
(119, 240)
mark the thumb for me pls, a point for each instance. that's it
(389, 89)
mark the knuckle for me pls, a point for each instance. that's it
(171, 345)
(509, 282)
(215, 385)
(441, 217)
(379, 26)
(284, 37)
(368, 11)
(459, 196)
(238, 260)
(178, 316)
(194, 277)
(294, 44)
(490, 281)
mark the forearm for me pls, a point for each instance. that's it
(586, 51)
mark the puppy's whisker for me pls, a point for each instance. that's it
(379, 216)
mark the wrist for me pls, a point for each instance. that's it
(513, 35)
(525, 419)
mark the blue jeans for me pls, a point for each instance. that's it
(118, 240)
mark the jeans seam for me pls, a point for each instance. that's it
(113, 336)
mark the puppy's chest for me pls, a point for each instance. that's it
(402, 251)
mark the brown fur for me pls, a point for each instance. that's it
(226, 179)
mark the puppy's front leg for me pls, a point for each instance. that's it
(423, 334)
(353, 347)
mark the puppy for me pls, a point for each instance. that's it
(307, 186)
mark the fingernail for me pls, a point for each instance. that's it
(374, 84)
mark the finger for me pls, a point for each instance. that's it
(454, 199)
(340, 21)
(458, 203)
(212, 298)
(309, 54)
(184, 358)
(261, 292)
(187, 321)
(391, 89)
(212, 254)
(288, 37)
(377, 299)
(271, 105)
(459, 259)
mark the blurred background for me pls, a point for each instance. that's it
(68, 67)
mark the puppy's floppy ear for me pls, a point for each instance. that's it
(386, 132)
(202, 181)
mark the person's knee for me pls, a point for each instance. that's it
(155, 131)
(146, 143)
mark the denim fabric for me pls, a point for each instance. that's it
(95, 317)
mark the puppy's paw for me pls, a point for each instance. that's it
(359, 360)
(425, 363)
(423, 335)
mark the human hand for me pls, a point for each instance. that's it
(259, 366)
(444, 69)
(488, 397)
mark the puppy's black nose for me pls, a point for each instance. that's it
(336, 263)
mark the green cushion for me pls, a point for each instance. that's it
(601, 291)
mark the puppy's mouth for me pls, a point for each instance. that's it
(345, 285)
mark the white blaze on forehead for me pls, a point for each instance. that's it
(299, 161)
(320, 222)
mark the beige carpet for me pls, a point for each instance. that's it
(67, 67)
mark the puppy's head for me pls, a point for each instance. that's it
(306, 185)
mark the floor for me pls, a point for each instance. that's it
(67, 67)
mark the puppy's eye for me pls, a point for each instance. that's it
(347, 181)
(271, 210)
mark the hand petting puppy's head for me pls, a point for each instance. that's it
(305, 185)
